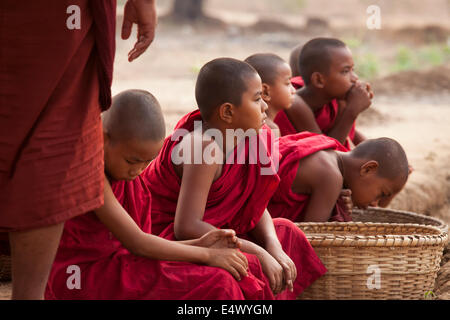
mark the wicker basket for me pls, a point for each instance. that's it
(396, 216)
(375, 260)
(5, 268)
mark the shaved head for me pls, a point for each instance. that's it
(267, 65)
(389, 154)
(316, 57)
(134, 115)
(294, 60)
(220, 81)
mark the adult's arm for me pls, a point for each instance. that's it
(142, 13)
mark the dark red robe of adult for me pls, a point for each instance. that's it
(325, 117)
(54, 79)
(285, 203)
(236, 200)
(109, 271)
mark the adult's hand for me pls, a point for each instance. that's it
(143, 13)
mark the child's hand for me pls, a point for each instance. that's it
(358, 98)
(345, 198)
(231, 260)
(220, 238)
(369, 90)
(289, 269)
(273, 271)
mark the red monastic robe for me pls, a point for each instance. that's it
(109, 271)
(53, 82)
(236, 200)
(325, 117)
(285, 203)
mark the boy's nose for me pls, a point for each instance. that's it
(292, 89)
(354, 77)
(136, 171)
(264, 106)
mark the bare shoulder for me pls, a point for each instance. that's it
(200, 154)
(299, 106)
(316, 171)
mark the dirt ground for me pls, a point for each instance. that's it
(412, 107)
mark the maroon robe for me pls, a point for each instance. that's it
(285, 203)
(109, 271)
(236, 200)
(52, 82)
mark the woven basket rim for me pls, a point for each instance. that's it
(353, 239)
(439, 223)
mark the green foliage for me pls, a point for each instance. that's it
(294, 4)
(428, 56)
(433, 55)
(195, 68)
(352, 43)
(367, 66)
(405, 59)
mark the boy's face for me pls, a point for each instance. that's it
(128, 159)
(251, 114)
(281, 91)
(372, 190)
(340, 77)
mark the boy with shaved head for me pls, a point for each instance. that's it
(110, 253)
(193, 197)
(277, 91)
(315, 168)
(330, 97)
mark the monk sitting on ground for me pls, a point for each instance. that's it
(110, 253)
(315, 168)
(198, 194)
(330, 97)
(277, 90)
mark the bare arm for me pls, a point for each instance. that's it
(359, 137)
(343, 123)
(358, 99)
(276, 264)
(195, 184)
(123, 227)
(318, 174)
(142, 13)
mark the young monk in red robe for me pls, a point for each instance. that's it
(56, 62)
(330, 96)
(278, 93)
(110, 253)
(192, 197)
(314, 169)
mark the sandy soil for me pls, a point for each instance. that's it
(413, 107)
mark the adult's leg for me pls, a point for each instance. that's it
(32, 255)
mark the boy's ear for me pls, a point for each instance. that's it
(265, 92)
(317, 80)
(369, 167)
(226, 112)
